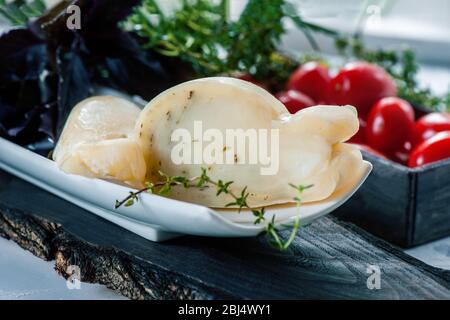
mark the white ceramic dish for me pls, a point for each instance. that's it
(154, 217)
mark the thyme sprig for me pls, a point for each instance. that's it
(201, 33)
(18, 12)
(239, 201)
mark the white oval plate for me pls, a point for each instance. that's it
(154, 217)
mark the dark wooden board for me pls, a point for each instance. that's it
(328, 260)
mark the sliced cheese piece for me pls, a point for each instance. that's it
(311, 149)
(98, 141)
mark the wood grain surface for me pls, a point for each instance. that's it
(401, 205)
(432, 219)
(384, 205)
(328, 260)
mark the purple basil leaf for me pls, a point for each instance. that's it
(73, 86)
(47, 121)
(97, 16)
(15, 41)
(25, 85)
(47, 69)
(22, 56)
(137, 75)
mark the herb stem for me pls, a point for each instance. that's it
(240, 201)
(134, 194)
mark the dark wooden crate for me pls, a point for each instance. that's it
(404, 206)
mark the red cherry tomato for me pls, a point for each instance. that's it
(402, 155)
(360, 136)
(369, 149)
(429, 125)
(249, 78)
(312, 79)
(294, 100)
(434, 149)
(390, 124)
(361, 84)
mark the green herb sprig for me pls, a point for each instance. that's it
(18, 12)
(201, 33)
(239, 201)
